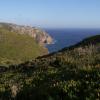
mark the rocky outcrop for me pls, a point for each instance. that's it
(38, 34)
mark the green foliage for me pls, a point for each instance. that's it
(68, 75)
(16, 48)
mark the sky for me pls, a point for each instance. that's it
(52, 13)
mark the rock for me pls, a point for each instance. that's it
(39, 35)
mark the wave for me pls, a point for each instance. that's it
(54, 41)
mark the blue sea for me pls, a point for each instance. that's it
(67, 37)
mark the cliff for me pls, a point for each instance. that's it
(39, 35)
(21, 43)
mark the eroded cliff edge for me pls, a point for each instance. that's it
(41, 36)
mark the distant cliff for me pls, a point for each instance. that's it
(39, 35)
(21, 43)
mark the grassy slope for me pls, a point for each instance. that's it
(15, 48)
(71, 74)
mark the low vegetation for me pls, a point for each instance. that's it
(70, 74)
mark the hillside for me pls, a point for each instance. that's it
(16, 48)
(39, 35)
(72, 73)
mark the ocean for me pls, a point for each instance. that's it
(67, 37)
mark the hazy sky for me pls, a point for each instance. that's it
(52, 13)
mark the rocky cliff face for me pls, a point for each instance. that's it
(38, 34)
